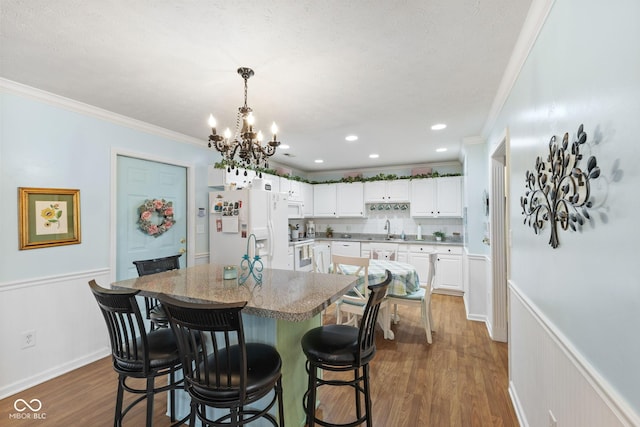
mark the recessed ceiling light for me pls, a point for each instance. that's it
(284, 146)
(438, 126)
(319, 161)
(374, 156)
(441, 150)
(352, 138)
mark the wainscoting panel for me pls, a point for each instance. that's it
(69, 329)
(549, 378)
(475, 293)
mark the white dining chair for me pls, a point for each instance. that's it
(421, 298)
(386, 251)
(353, 303)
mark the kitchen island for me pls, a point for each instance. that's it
(278, 312)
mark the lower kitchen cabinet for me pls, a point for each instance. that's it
(418, 256)
(449, 270)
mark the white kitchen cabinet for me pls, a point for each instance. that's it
(386, 191)
(238, 176)
(344, 248)
(324, 200)
(307, 199)
(449, 196)
(292, 187)
(290, 258)
(350, 200)
(449, 269)
(403, 253)
(365, 250)
(418, 257)
(436, 197)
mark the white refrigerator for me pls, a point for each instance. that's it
(237, 214)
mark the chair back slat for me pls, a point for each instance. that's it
(366, 335)
(207, 334)
(125, 324)
(386, 251)
(157, 265)
(339, 262)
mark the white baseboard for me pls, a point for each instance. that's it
(53, 372)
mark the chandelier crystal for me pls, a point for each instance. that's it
(245, 149)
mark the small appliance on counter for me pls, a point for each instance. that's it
(311, 230)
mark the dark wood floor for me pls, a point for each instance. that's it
(459, 380)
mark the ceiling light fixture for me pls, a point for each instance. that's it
(352, 138)
(319, 161)
(438, 126)
(374, 156)
(245, 149)
(441, 150)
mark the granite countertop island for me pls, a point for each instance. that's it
(285, 295)
(278, 312)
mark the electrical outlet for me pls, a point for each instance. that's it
(28, 338)
(552, 420)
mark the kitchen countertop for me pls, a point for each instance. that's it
(287, 295)
(380, 238)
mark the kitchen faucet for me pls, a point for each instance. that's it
(387, 226)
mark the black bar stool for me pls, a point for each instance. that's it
(136, 353)
(220, 369)
(154, 311)
(342, 348)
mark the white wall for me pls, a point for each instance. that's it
(583, 68)
(46, 141)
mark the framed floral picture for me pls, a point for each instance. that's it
(48, 217)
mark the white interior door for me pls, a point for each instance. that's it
(137, 181)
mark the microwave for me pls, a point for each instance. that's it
(294, 210)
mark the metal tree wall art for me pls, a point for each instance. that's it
(558, 190)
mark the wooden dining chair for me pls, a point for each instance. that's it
(353, 303)
(421, 298)
(385, 251)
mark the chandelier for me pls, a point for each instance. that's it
(245, 149)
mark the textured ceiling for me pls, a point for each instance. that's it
(384, 70)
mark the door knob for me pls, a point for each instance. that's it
(183, 240)
(182, 250)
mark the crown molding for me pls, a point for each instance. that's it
(15, 88)
(532, 26)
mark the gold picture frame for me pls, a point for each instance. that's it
(48, 217)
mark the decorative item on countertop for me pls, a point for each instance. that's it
(439, 235)
(251, 265)
(419, 235)
(329, 231)
(558, 191)
(230, 272)
(294, 231)
(164, 210)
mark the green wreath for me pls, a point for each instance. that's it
(163, 208)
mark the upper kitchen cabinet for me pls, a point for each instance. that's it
(386, 191)
(350, 198)
(324, 200)
(307, 199)
(293, 188)
(436, 197)
(238, 176)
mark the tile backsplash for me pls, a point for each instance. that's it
(374, 224)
